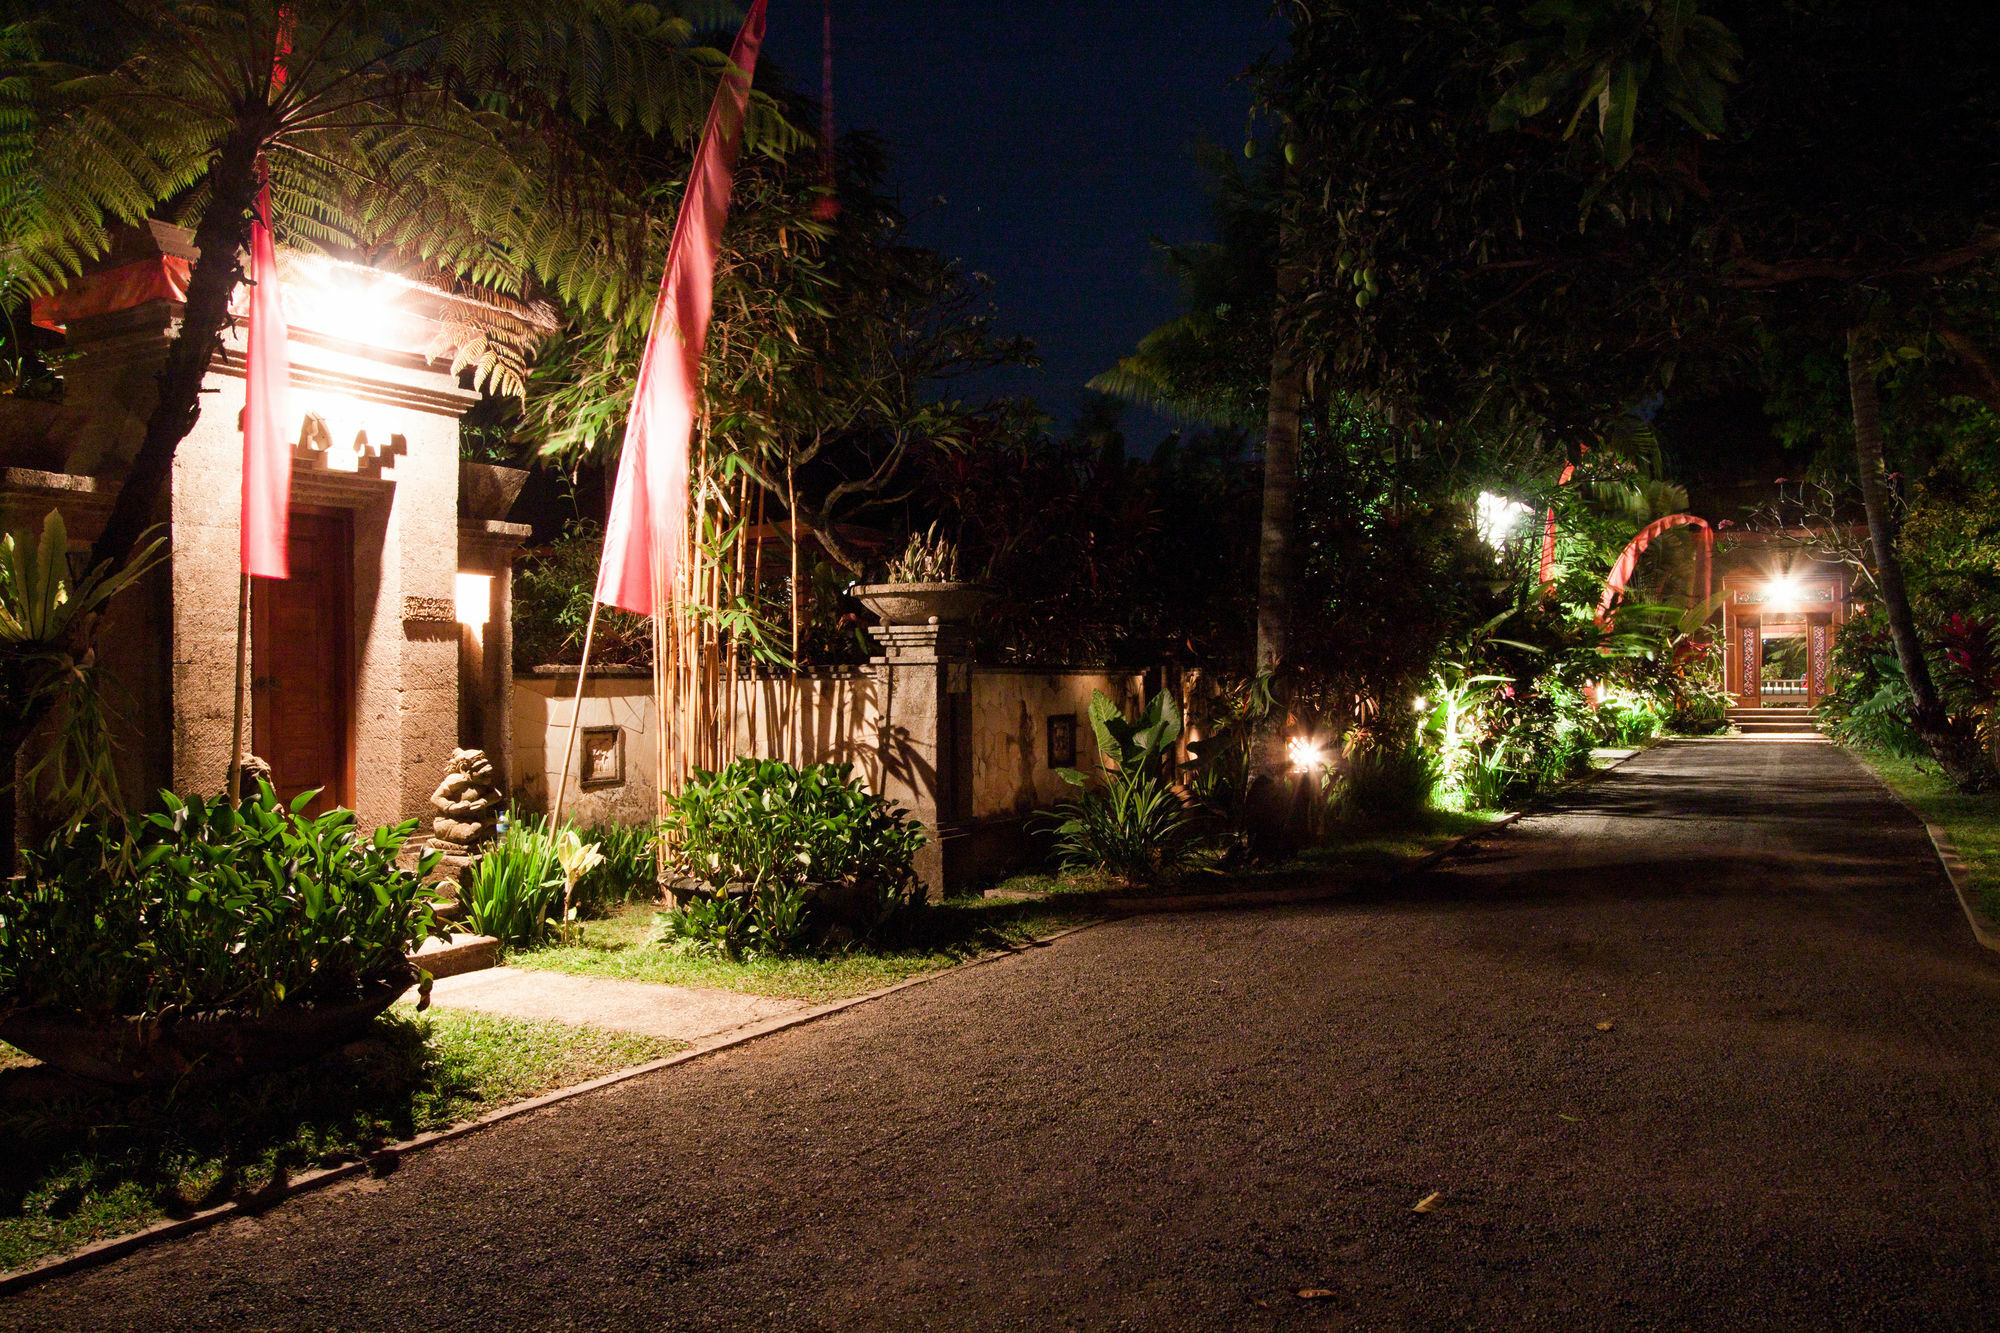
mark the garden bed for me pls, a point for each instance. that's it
(84, 1163)
(940, 937)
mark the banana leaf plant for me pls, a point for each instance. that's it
(50, 614)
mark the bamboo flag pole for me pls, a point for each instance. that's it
(235, 793)
(575, 713)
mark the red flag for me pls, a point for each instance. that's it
(267, 445)
(649, 506)
(1549, 537)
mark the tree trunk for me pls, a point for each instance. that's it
(1955, 749)
(221, 238)
(1281, 472)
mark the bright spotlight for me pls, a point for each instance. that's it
(1782, 593)
(1496, 518)
(1307, 754)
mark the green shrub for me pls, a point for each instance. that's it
(1699, 715)
(203, 908)
(1384, 784)
(807, 853)
(774, 919)
(1629, 721)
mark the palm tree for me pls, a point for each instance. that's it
(450, 134)
(452, 137)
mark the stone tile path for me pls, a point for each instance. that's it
(685, 1013)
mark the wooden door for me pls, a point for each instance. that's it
(302, 717)
(1750, 656)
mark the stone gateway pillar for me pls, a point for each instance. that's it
(925, 741)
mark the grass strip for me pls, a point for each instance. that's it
(944, 936)
(84, 1163)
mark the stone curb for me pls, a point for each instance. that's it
(1203, 902)
(385, 1160)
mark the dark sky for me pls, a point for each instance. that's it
(1060, 139)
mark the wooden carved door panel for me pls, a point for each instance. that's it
(302, 645)
(1819, 658)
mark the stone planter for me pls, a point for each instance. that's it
(487, 491)
(921, 603)
(204, 1048)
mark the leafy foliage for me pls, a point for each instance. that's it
(49, 618)
(1132, 823)
(514, 890)
(628, 872)
(553, 587)
(210, 908)
(785, 855)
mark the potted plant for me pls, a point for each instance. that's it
(208, 941)
(923, 585)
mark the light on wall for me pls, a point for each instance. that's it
(1782, 594)
(475, 598)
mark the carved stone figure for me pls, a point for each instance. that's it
(468, 803)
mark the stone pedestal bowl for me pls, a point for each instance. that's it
(201, 1048)
(920, 603)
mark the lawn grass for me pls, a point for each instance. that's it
(1972, 822)
(81, 1163)
(944, 936)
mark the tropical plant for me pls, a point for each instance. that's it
(522, 886)
(1131, 822)
(554, 586)
(810, 851)
(929, 557)
(772, 920)
(204, 907)
(627, 872)
(1384, 783)
(49, 618)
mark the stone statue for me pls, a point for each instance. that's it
(468, 803)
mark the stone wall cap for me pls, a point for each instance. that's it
(33, 479)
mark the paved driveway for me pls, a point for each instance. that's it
(1182, 1122)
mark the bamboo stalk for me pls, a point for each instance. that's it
(569, 746)
(235, 792)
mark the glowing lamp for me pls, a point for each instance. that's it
(1307, 755)
(1782, 594)
(1496, 518)
(475, 598)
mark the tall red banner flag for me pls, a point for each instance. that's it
(267, 446)
(649, 506)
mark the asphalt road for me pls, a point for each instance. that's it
(1183, 1122)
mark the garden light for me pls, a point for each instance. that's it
(1307, 754)
(1782, 593)
(1496, 518)
(474, 596)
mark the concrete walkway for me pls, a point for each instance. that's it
(686, 1013)
(1707, 1047)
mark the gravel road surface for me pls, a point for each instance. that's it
(1182, 1122)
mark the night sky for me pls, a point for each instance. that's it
(1060, 140)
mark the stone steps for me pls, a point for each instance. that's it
(457, 955)
(1792, 721)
